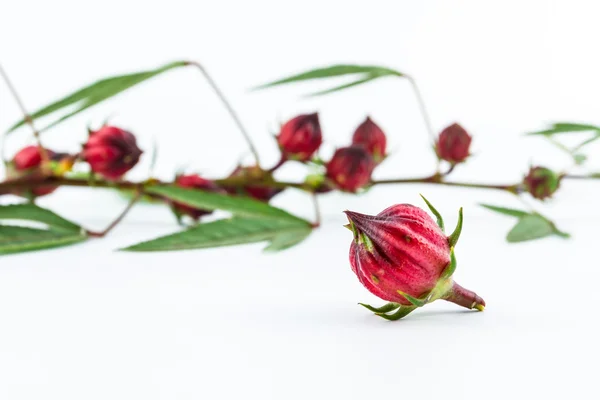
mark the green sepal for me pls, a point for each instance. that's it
(453, 238)
(413, 300)
(451, 267)
(438, 216)
(383, 309)
(402, 312)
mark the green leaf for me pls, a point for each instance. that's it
(229, 232)
(565, 127)
(530, 227)
(89, 96)
(383, 309)
(361, 74)
(57, 231)
(238, 205)
(401, 313)
(506, 211)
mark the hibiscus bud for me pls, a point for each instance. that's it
(196, 182)
(453, 144)
(300, 137)
(541, 182)
(253, 173)
(401, 255)
(111, 152)
(27, 164)
(371, 137)
(350, 168)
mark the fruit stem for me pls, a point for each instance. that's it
(464, 297)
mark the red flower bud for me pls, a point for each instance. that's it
(453, 144)
(350, 168)
(196, 182)
(27, 164)
(111, 152)
(402, 256)
(370, 135)
(253, 173)
(300, 137)
(541, 182)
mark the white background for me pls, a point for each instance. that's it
(86, 322)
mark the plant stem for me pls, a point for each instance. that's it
(317, 210)
(26, 117)
(422, 108)
(110, 227)
(229, 108)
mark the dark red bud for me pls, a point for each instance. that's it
(197, 182)
(253, 173)
(27, 164)
(371, 137)
(350, 168)
(111, 152)
(300, 137)
(453, 144)
(541, 182)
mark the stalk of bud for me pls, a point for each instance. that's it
(111, 152)
(350, 168)
(300, 137)
(401, 255)
(371, 137)
(453, 144)
(194, 181)
(541, 182)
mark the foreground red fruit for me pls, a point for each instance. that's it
(401, 255)
(371, 137)
(350, 168)
(253, 173)
(111, 152)
(300, 137)
(453, 144)
(196, 182)
(27, 164)
(541, 182)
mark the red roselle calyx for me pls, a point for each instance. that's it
(453, 144)
(27, 164)
(253, 173)
(371, 137)
(300, 137)
(194, 181)
(350, 168)
(541, 182)
(401, 255)
(111, 152)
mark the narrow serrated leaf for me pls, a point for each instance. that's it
(342, 87)
(506, 211)
(565, 127)
(530, 227)
(31, 212)
(16, 239)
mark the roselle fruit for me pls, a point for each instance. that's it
(300, 137)
(371, 137)
(193, 181)
(111, 152)
(350, 168)
(453, 144)
(27, 164)
(541, 182)
(258, 192)
(401, 255)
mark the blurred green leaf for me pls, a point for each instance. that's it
(57, 231)
(281, 234)
(565, 127)
(93, 94)
(360, 73)
(506, 211)
(533, 226)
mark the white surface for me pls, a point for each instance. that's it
(88, 323)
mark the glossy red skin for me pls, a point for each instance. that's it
(300, 137)
(197, 182)
(26, 163)
(111, 152)
(410, 252)
(371, 137)
(453, 144)
(257, 192)
(350, 168)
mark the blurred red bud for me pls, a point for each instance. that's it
(300, 137)
(194, 181)
(253, 173)
(111, 152)
(453, 144)
(350, 168)
(27, 163)
(371, 137)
